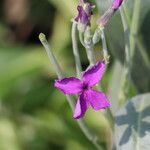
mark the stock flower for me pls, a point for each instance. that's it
(84, 14)
(88, 96)
(103, 20)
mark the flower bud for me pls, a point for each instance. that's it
(116, 4)
(84, 14)
(103, 20)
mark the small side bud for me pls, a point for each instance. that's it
(42, 37)
(103, 20)
(85, 11)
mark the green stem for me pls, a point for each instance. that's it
(91, 57)
(104, 45)
(88, 42)
(75, 49)
(87, 132)
(81, 38)
(51, 55)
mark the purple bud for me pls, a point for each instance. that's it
(116, 4)
(103, 20)
(84, 14)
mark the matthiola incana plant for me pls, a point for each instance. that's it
(85, 84)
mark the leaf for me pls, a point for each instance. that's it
(132, 124)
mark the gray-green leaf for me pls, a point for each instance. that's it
(132, 126)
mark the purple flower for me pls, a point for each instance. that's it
(103, 20)
(84, 14)
(88, 96)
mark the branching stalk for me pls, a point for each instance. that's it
(104, 45)
(85, 129)
(88, 44)
(75, 49)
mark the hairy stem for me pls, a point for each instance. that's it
(91, 57)
(104, 45)
(85, 129)
(81, 38)
(88, 43)
(51, 55)
(75, 49)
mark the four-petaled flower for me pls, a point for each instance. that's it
(84, 14)
(88, 96)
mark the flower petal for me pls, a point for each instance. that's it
(81, 107)
(98, 100)
(70, 85)
(93, 75)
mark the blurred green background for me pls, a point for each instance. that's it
(33, 114)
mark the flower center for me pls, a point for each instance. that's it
(85, 87)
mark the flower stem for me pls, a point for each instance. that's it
(88, 42)
(51, 55)
(85, 129)
(75, 49)
(106, 59)
(104, 45)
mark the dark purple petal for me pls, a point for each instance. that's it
(116, 4)
(82, 16)
(70, 85)
(93, 75)
(98, 100)
(81, 107)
